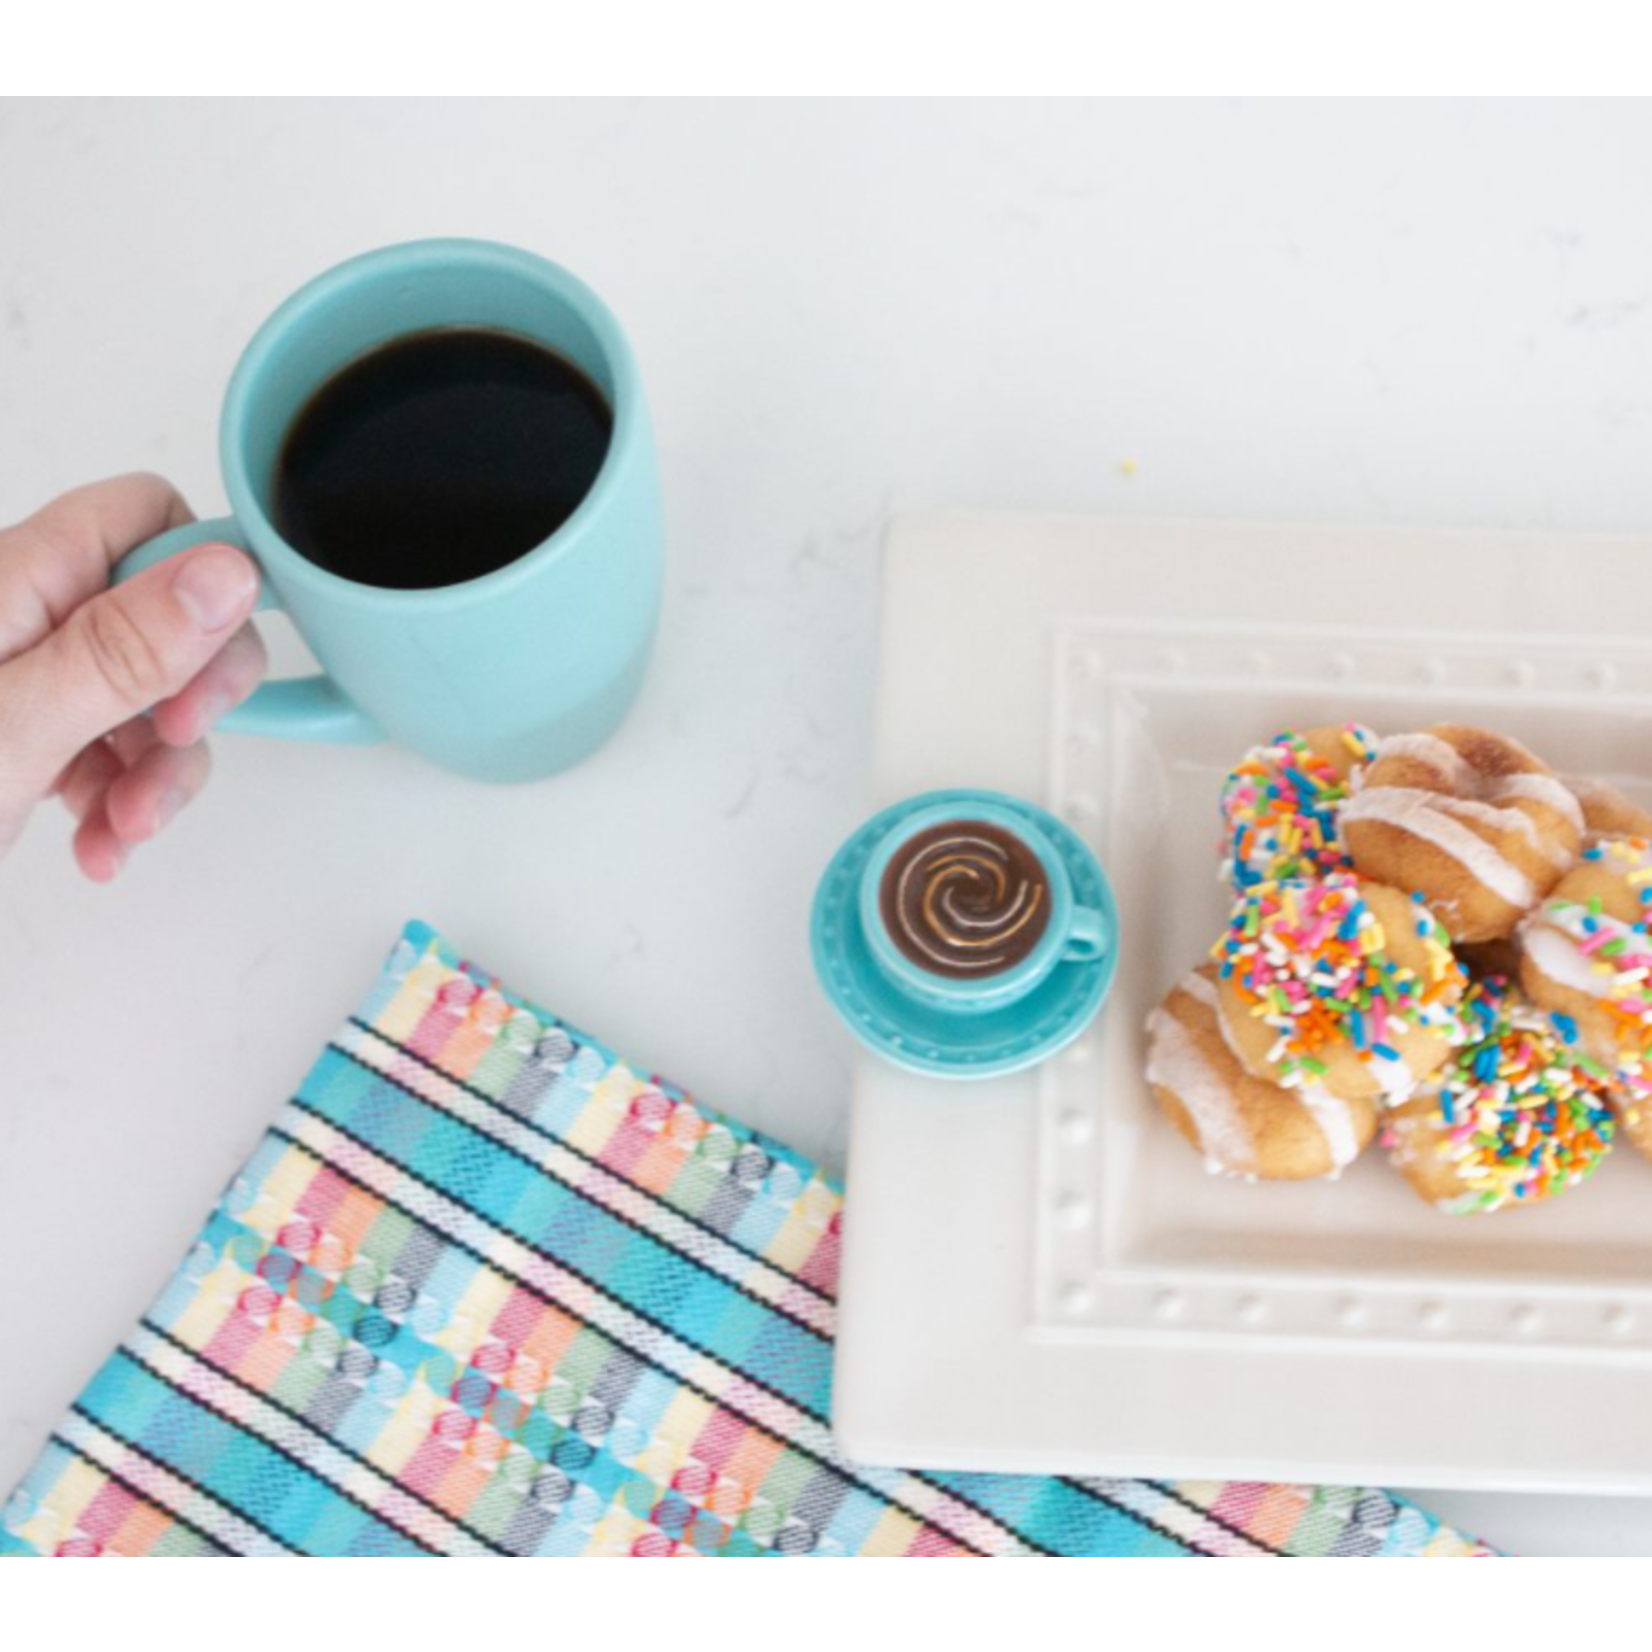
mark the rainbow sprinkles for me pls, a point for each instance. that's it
(1280, 809)
(1312, 961)
(1519, 1114)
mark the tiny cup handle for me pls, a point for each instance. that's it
(1088, 937)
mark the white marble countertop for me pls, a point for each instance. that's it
(1436, 313)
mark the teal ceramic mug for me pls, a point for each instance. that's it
(509, 676)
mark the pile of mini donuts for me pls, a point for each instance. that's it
(1435, 942)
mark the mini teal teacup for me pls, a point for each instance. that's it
(513, 674)
(969, 907)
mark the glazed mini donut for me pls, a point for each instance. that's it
(1469, 820)
(1606, 811)
(1341, 983)
(1280, 805)
(1586, 957)
(1512, 1118)
(1243, 1125)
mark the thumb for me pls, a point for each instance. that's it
(119, 653)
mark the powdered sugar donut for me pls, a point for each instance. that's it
(1515, 1116)
(1241, 1124)
(1280, 805)
(1471, 821)
(1341, 983)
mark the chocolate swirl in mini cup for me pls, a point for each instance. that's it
(964, 899)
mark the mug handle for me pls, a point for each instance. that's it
(293, 708)
(1088, 937)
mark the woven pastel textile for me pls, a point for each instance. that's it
(487, 1289)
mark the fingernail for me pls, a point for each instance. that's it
(214, 707)
(167, 806)
(216, 586)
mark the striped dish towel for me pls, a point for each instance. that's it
(486, 1289)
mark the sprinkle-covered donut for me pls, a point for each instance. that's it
(1341, 983)
(1515, 1116)
(1470, 820)
(1586, 957)
(1280, 805)
(1243, 1125)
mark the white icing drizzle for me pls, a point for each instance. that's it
(1576, 920)
(1175, 1064)
(1204, 989)
(1620, 855)
(1420, 813)
(1551, 943)
(1394, 1077)
(1490, 815)
(1445, 760)
(1456, 772)
(1336, 1124)
(1544, 789)
(1399, 1139)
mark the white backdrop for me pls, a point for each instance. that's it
(1432, 313)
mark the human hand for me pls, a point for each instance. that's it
(80, 664)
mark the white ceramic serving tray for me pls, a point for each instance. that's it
(1038, 1272)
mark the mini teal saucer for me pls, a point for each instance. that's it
(942, 1042)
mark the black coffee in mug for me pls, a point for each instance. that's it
(439, 457)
